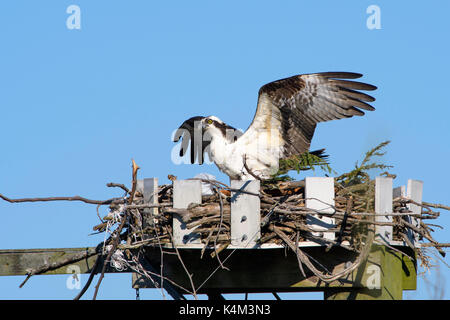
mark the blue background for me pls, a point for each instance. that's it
(78, 105)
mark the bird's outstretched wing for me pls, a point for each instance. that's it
(294, 106)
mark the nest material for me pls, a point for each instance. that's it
(282, 207)
(284, 216)
(283, 221)
(132, 224)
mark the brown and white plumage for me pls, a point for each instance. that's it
(287, 113)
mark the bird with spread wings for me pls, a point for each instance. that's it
(287, 113)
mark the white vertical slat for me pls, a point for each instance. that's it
(149, 189)
(399, 192)
(319, 195)
(383, 205)
(245, 214)
(414, 192)
(185, 192)
(150, 193)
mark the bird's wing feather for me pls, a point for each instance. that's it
(191, 133)
(294, 106)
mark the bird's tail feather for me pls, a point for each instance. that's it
(321, 154)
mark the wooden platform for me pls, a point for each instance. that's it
(385, 275)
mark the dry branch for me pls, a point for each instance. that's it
(73, 198)
(58, 264)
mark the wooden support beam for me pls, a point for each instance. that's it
(394, 272)
(15, 262)
(245, 214)
(276, 271)
(385, 281)
(271, 270)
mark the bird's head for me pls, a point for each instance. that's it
(211, 122)
(214, 127)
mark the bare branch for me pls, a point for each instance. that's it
(73, 198)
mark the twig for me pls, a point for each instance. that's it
(182, 263)
(119, 185)
(348, 211)
(74, 198)
(208, 238)
(135, 168)
(91, 277)
(327, 278)
(169, 285)
(438, 206)
(222, 247)
(161, 269)
(220, 228)
(442, 245)
(117, 232)
(55, 265)
(147, 206)
(224, 186)
(116, 241)
(296, 253)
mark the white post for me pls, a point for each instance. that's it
(150, 193)
(383, 205)
(245, 214)
(414, 192)
(185, 192)
(399, 192)
(319, 195)
(149, 189)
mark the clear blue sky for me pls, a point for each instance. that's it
(78, 105)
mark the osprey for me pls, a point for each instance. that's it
(286, 116)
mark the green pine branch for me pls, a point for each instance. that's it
(303, 162)
(308, 161)
(360, 173)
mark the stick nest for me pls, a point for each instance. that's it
(131, 225)
(284, 215)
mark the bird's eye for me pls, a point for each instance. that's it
(209, 121)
